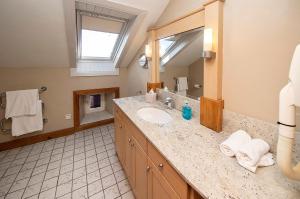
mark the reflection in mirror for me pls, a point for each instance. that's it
(143, 62)
(181, 64)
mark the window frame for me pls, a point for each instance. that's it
(121, 36)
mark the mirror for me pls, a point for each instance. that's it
(143, 62)
(181, 64)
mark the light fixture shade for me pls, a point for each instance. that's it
(148, 51)
(208, 39)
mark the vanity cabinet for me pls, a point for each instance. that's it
(120, 136)
(158, 186)
(149, 173)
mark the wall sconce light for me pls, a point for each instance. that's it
(208, 52)
(148, 51)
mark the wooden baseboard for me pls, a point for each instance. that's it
(47, 136)
(94, 124)
(35, 139)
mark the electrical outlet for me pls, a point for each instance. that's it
(68, 116)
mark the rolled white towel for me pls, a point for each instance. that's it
(251, 153)
(235, 141)
(266, 160)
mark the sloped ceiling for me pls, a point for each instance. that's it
(32, 34)
(40, 33)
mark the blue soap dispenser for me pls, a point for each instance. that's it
(186, 111)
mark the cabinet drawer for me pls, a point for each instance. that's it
(179, 185)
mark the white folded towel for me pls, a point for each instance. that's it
(28, 123)
(266, 160)
(182, 84)
(235, 141)
(250, 154)
(182, 93)
(20, 103)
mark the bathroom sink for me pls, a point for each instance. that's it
(154, 115)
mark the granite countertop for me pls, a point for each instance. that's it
(193, 150)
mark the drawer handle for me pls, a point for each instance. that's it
(148, 168)
(160, 166)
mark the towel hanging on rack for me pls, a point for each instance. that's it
(20, 103)
(39, 123)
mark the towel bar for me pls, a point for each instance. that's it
(2, 105)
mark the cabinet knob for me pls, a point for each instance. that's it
(160, 166)
(129, 140)
(148, 168)
(120, 126)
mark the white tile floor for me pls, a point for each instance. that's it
(83, 165)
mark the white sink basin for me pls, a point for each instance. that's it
(154, 115)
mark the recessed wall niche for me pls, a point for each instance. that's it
(93, 107)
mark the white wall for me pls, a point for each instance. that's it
(259, 40)
(137, 76)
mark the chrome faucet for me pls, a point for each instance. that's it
(168, 101)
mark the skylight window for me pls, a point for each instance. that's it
(97, 44)
(102, 35)
(165, 45)
(98, 36)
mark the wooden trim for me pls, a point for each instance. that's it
(155, 58)
(154, 86)
(213, 68)
(211, 113)
(35, 139)
(189, 22)
(178, 19)
(212, 1)
(76, 108)
(115, 90)
(95, 124)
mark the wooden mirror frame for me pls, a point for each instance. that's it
(210, 15)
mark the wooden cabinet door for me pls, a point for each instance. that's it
(129, 157)
(158, 186)
(140, 173)
(119, 139)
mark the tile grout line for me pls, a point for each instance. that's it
(61, 166)
(102, 189)
(46, 170)
(8, 192)
(15, 180)
(110, 164)
(31, 171)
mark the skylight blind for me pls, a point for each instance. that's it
(101, 24)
